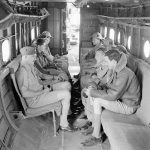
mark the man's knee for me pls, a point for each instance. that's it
(97, 107)
(67, 85)
(67, 95)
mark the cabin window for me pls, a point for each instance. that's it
(147, 49)
(105, 32)
(101, 29)
(119, 37)
(33, 34)
(37, 31)
(16, 44)
(129, 42)
(6, 51)
(112, 34)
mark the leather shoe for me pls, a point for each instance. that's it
(88, 131)
(92, 141)
(86, 126)
(68, 128)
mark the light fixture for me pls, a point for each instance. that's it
(88, 6)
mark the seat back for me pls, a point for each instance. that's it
(142, 71)
(13, 77)
(144, 112)
(27, 111)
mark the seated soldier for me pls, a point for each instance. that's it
(97, 42)
(96, 72)
(122, 49)
(106, 44)
(46, 34)
(44, 59)
(34, 93)
(60, 61)
(121, 93)
(49, 74)
(88, 67)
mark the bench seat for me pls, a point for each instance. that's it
(126, 132)
(131, 132)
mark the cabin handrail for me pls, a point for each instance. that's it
(13, 18)
(136, 22)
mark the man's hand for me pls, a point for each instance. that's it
(57, 56)
(63, 77)
(93, 85)
(88, 91)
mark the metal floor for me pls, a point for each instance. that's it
(73, 59)
(37, 134)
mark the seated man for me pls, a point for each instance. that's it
(44, 65)
(34, 93)
(122, 49)
(47, 60)
(97, 42)
(61, 61)
(96, 72)
(46, 34)
(88, 67)
(108, 44)
(121, 93)
(104, 45)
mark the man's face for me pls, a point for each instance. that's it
(41, 48)
(107, 43)
(48, 39)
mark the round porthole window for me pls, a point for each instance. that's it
(105, 32)
(129, 42)
(37, 30)
(147, 49)
(6, 51)
(32, 34)
(16, 41)
(118, 37)
(112, 34)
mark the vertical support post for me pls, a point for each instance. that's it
(54, 122)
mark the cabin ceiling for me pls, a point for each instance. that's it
(81, 3)
(69, 1)
(128, 2)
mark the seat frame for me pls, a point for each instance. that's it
(25, 114)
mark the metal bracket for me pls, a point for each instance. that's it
(17, 115)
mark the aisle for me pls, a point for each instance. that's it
(73, 58)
